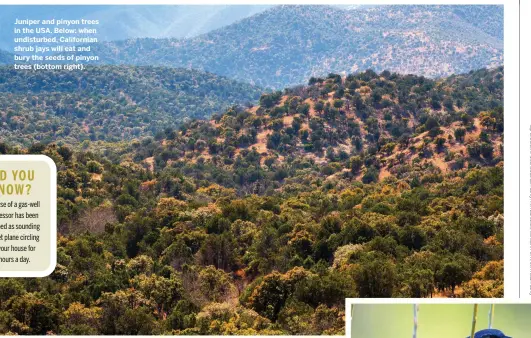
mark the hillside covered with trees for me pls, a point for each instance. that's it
(111, 103)
(264, 219)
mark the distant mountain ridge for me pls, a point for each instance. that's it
(286, 45)
(119, 22)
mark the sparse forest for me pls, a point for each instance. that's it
(263, 219)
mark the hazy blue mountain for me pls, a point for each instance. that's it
(286, 45)
(5, 58)
(119, 22)
(479, 17)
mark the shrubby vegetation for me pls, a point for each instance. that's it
(262, 220)
(366, 127)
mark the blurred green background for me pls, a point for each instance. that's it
(437, 320)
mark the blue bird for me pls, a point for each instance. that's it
(490, 333)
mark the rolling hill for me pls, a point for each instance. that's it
(108, 102)
(286, 45)
(367, 126)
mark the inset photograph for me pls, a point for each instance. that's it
(440, 320)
